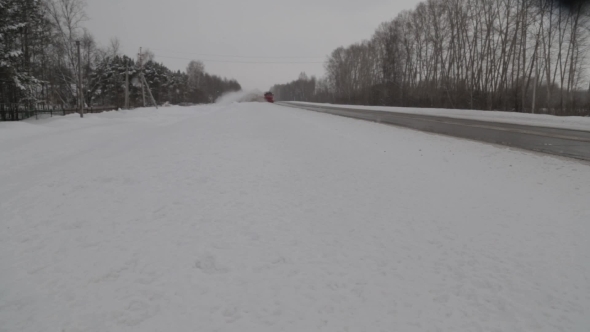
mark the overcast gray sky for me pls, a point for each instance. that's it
(238, 39)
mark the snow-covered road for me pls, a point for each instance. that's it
(256, 217)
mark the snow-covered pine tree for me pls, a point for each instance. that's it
(21, 24)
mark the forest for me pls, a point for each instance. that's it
(40, 64)
(510, 55)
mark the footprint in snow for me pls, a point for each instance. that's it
(208, 264)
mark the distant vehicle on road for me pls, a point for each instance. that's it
(269, 97)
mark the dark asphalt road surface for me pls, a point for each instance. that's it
(556, 141)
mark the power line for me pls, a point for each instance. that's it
(245, 62)
(240, 56)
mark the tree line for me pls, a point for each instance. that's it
(511, 55)
(39, 62)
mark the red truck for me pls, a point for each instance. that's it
(269, 97)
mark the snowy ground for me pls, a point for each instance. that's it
(256, 217)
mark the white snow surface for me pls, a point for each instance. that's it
(543, 120)
(257, 217)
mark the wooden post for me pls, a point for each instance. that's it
(149, 91)
(535, 91)
(141, 74)
(80, 87)
(127, 85)
(143, 82)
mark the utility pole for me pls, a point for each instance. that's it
(80, 87)
(126, 85)
(535, 87)
(141, 74)
(144, 82)
(149, 91)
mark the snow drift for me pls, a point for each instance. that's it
(241, 97)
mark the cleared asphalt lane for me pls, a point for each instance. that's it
(556, 141)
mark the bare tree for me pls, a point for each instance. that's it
(114, 47)
(195, 71)
(66, 17)
(479, 54)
